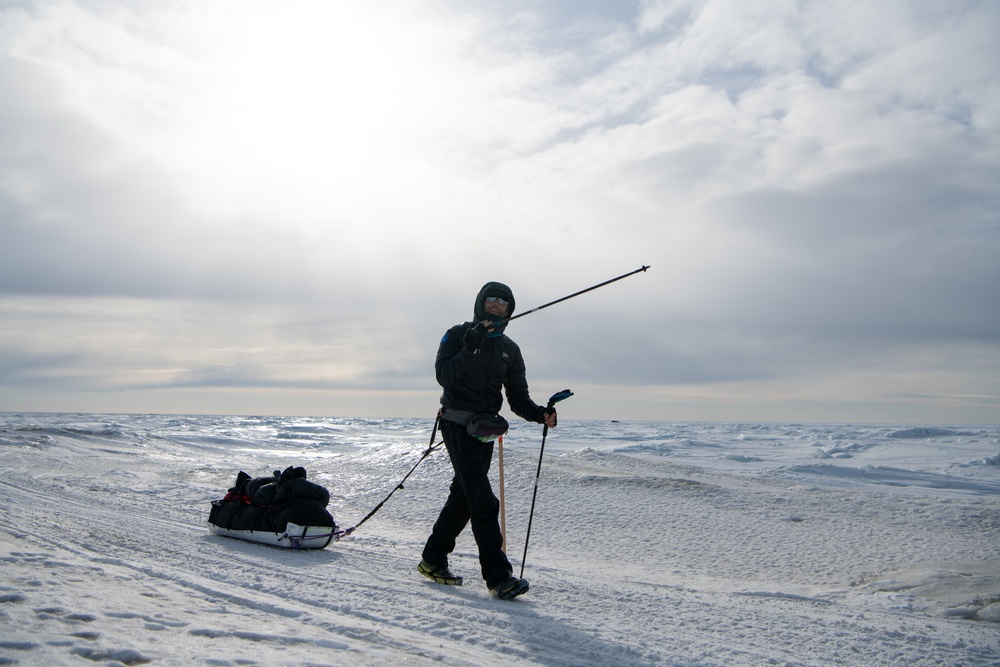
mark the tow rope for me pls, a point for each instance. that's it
(431, 448)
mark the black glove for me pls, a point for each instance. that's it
(544, 412)
(474, 337)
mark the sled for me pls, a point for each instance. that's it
(293, 537)
(283, 510)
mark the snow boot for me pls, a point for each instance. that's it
(439, 575)
(510, 588)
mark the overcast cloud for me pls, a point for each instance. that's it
(250, 207)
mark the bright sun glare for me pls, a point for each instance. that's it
(306, 101)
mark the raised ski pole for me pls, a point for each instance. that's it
(560, 396)
(641, 269)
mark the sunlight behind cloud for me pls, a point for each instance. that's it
(303, 114)
(308, 109)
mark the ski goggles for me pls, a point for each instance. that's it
(496, 299)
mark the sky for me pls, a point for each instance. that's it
(248, 207)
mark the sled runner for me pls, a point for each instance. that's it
(293, 537)
(284, 510)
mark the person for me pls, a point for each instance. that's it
(475, 360)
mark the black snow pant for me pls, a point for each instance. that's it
(471, 499)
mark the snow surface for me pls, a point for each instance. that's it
(653, 543)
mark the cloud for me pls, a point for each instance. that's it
(305, 198)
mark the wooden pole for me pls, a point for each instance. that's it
(503, 512)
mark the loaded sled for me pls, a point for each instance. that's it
(283, 510)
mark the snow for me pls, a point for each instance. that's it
(653, 543)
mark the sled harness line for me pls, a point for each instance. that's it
(431, 448)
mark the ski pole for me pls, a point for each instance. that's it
(583, 291)
(560, 396)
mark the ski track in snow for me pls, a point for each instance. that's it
(652, 544)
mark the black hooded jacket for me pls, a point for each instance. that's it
(473, 381)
